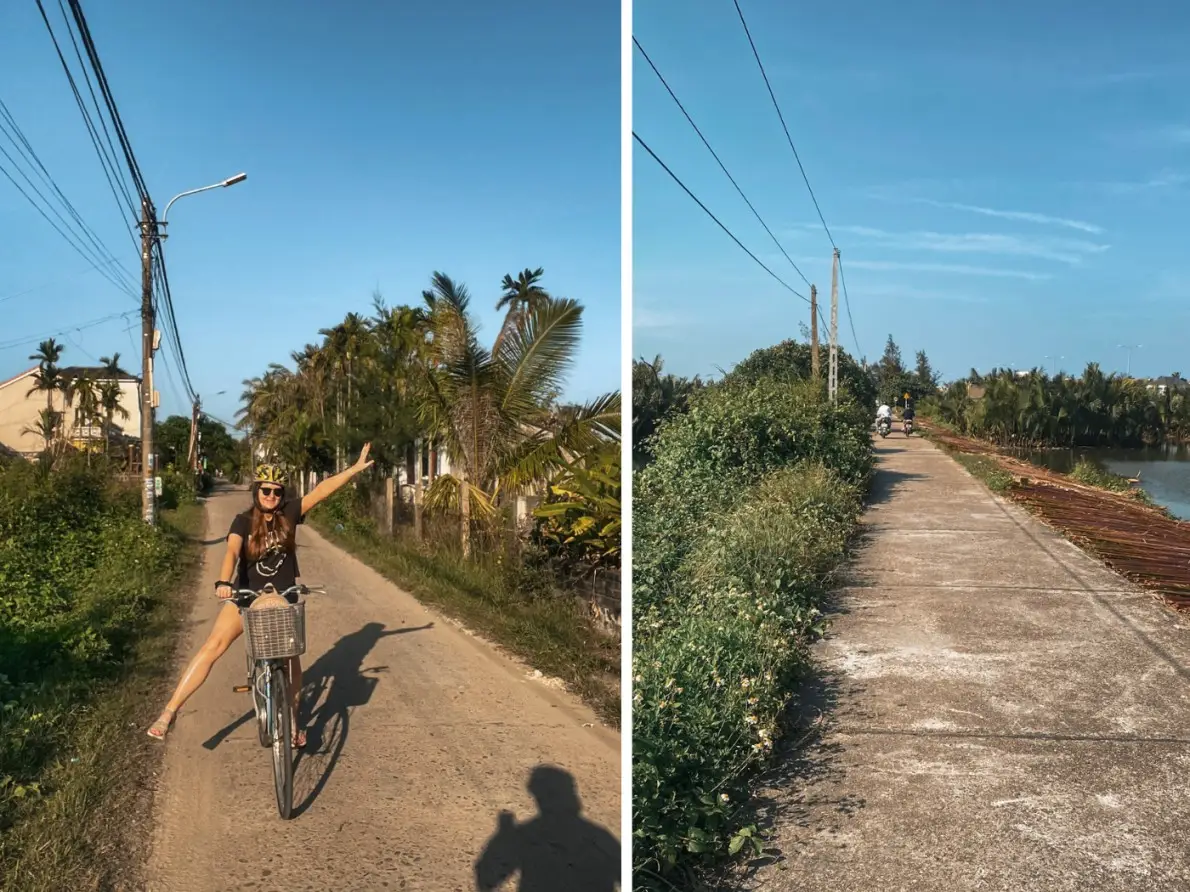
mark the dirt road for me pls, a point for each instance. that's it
(420, 736)
(1003, 713)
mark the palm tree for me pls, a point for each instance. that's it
(47, 423)
(490, 408)
(109, 397)
(48, 377)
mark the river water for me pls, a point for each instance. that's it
(1164, 470)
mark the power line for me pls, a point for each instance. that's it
(69, 240)
(772, 96)
(722, 166)
(24, 148)
(91, 129)
(783, 283)
(797, 158)
(33, 339)
(847, 304)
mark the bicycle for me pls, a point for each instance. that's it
(273, 635)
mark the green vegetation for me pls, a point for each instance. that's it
(420, 386)
(87, 622)
(513, 602)
(739, 522)
(1035, 410)
(1091, 474)
(654, 397)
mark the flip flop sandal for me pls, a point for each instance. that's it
(161, 727)
(299, 739)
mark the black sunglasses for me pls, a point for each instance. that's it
(271, 491)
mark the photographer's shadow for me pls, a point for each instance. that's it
(558, 850)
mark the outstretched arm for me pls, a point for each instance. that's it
(331, 484)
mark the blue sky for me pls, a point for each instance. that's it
(1006, 181)
(380, 145)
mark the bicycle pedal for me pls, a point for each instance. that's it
(241, 688)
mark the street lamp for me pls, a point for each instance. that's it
(155, 229)
(1048, 358)
(1129, 348)
(222, 184)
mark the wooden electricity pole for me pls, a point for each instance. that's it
(148, 230)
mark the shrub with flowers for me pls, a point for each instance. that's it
(739, 524)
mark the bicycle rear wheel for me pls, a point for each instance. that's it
(279, 722)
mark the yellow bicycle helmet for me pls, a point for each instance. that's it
(271, 474)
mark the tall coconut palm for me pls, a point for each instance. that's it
(45, 426)
(48, 377)
(109, 397)
(490, 408)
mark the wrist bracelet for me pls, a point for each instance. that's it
(222, 582)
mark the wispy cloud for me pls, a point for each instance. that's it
(1026, 216)
(904, 292)
(958, 269)
(1069, 251)
(643, 317)
(1162, 181)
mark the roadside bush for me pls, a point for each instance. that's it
(739, 522)
(79, 572)
(179, 486)
(710, 683)
(733, 435)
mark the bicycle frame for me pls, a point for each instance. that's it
(268, 680)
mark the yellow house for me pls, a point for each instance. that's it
(19, 411)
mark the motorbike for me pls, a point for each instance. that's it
(884, 426)
(908, 427)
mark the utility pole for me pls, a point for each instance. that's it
(833, 380)
(192, 454)
(814, 333)
(1129, 348)
(148, 226)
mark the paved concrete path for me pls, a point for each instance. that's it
(1007, 714)
(420, 737)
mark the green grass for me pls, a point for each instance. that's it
(87, 824)
(986, 469)
(550, 631)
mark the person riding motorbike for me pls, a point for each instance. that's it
(908, 415)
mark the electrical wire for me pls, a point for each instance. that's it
(16, 136)
(707, 211)
(33, 339)
(722, 166)
(112, 175)
(797, 158)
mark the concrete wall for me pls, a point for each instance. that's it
(19, 410)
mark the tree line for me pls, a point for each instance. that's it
(1026, 409)
(418, 376)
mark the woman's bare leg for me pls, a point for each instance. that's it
(228, 627)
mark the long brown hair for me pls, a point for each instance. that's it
(259, 529)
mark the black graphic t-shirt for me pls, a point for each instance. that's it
(278, 564)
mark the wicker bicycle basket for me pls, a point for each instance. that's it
(275, 630)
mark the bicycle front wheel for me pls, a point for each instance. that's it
(279, 722)
(257, 674)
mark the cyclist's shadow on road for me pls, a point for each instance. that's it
(340, 675)
(557, 850)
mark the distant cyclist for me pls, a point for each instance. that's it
(262, 540)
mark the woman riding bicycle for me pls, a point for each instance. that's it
(261, 540)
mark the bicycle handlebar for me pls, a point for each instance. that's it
(245, 596)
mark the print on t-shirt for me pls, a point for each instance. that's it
(276, 564)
